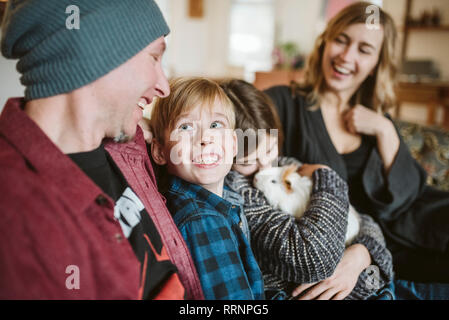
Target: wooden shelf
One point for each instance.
(407, 28)
(427, 28)
(265, 80)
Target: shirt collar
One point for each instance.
(233, 197)
(45, 157)
(191, 190)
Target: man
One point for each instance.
(81, 217)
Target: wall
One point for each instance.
(198, 46)
(299, 21)
(9, 81)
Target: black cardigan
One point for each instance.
(413, 215)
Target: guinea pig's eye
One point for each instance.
(273, 181)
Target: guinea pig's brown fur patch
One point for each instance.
(289, 170)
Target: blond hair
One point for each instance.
(376, 92)
(186, 94)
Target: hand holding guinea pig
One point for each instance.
(286, 189)
(307, 170)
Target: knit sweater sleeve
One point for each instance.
(305, 250)
(285, 161)
(380, 272)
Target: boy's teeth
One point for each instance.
(207, 160)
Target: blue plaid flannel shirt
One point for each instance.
(222, 254)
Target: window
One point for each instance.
(251, 35)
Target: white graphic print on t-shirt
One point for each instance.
(127, 211)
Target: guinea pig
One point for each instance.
(287, 190)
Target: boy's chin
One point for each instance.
(208, 181)
(213, 183)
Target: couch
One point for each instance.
(430, 147)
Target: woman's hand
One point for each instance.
(356, 258)
(307, 170)
(365, 121)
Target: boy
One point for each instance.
(194, 139)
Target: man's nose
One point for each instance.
(162, 85)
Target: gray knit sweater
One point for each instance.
(292, 252)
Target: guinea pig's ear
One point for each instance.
(285, 175)
(157, 152)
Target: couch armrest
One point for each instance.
(430, 147)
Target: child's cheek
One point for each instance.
(180, 149)
(180, 154)
(229, 146)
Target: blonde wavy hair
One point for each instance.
(377, 91)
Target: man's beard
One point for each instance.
(122, 138)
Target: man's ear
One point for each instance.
(157, 152)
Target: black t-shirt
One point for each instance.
(355, 164)
(136, 224)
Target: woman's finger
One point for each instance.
(328, 294)
(315, 291)
(300, 289)
(340, 295)
(348, 120)
(350, 126)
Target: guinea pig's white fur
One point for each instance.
(290, 192)
(285, 189)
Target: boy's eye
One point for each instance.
(186, 127)
(216, 125)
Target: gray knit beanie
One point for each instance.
(55, 59)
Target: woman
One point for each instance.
(337, 117)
